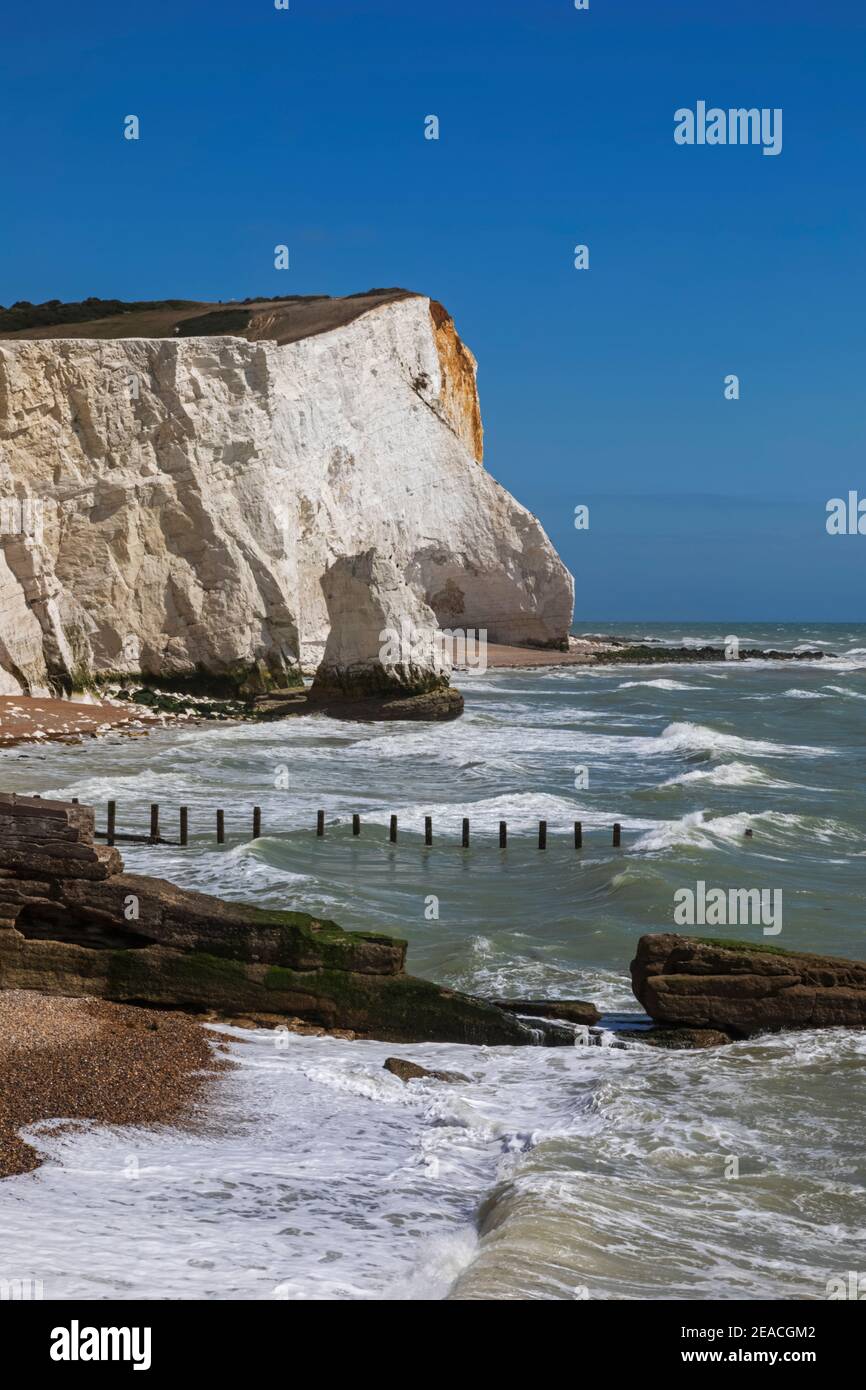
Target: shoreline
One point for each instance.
(37, 719)
(87, 1060)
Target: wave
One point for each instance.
(778, 829)
(700, 738)
(661, 684)
(734, 774)
(582, 1217)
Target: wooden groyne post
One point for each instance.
(111, 834)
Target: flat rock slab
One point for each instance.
(571, 1010)
(742, 988)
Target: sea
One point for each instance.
(606, 1170)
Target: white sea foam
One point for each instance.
(702, 830)
(317, 1175)
(661, 684)
(521, 810)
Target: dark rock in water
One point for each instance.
(443, 703)
(572, 1010)
(679, 1039)
(553, 1032)
(73, 923)
(410, 1071)
(649, 654)
(743, 988)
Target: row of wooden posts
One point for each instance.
(112, 835)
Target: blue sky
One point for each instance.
(603, 387)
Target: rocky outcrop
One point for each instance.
(679, 1039)
(73, 923)
(741, 989)
(191, 492)
(384, 655)
(571, 1010)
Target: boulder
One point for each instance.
(679, 1039)
(410, 1071)
(385, 656)
(742, 988)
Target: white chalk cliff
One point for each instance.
(194, 490)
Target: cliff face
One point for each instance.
(188, 493)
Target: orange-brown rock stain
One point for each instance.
(459, 395)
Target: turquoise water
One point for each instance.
(593, 1170)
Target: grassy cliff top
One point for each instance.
(282, 319)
